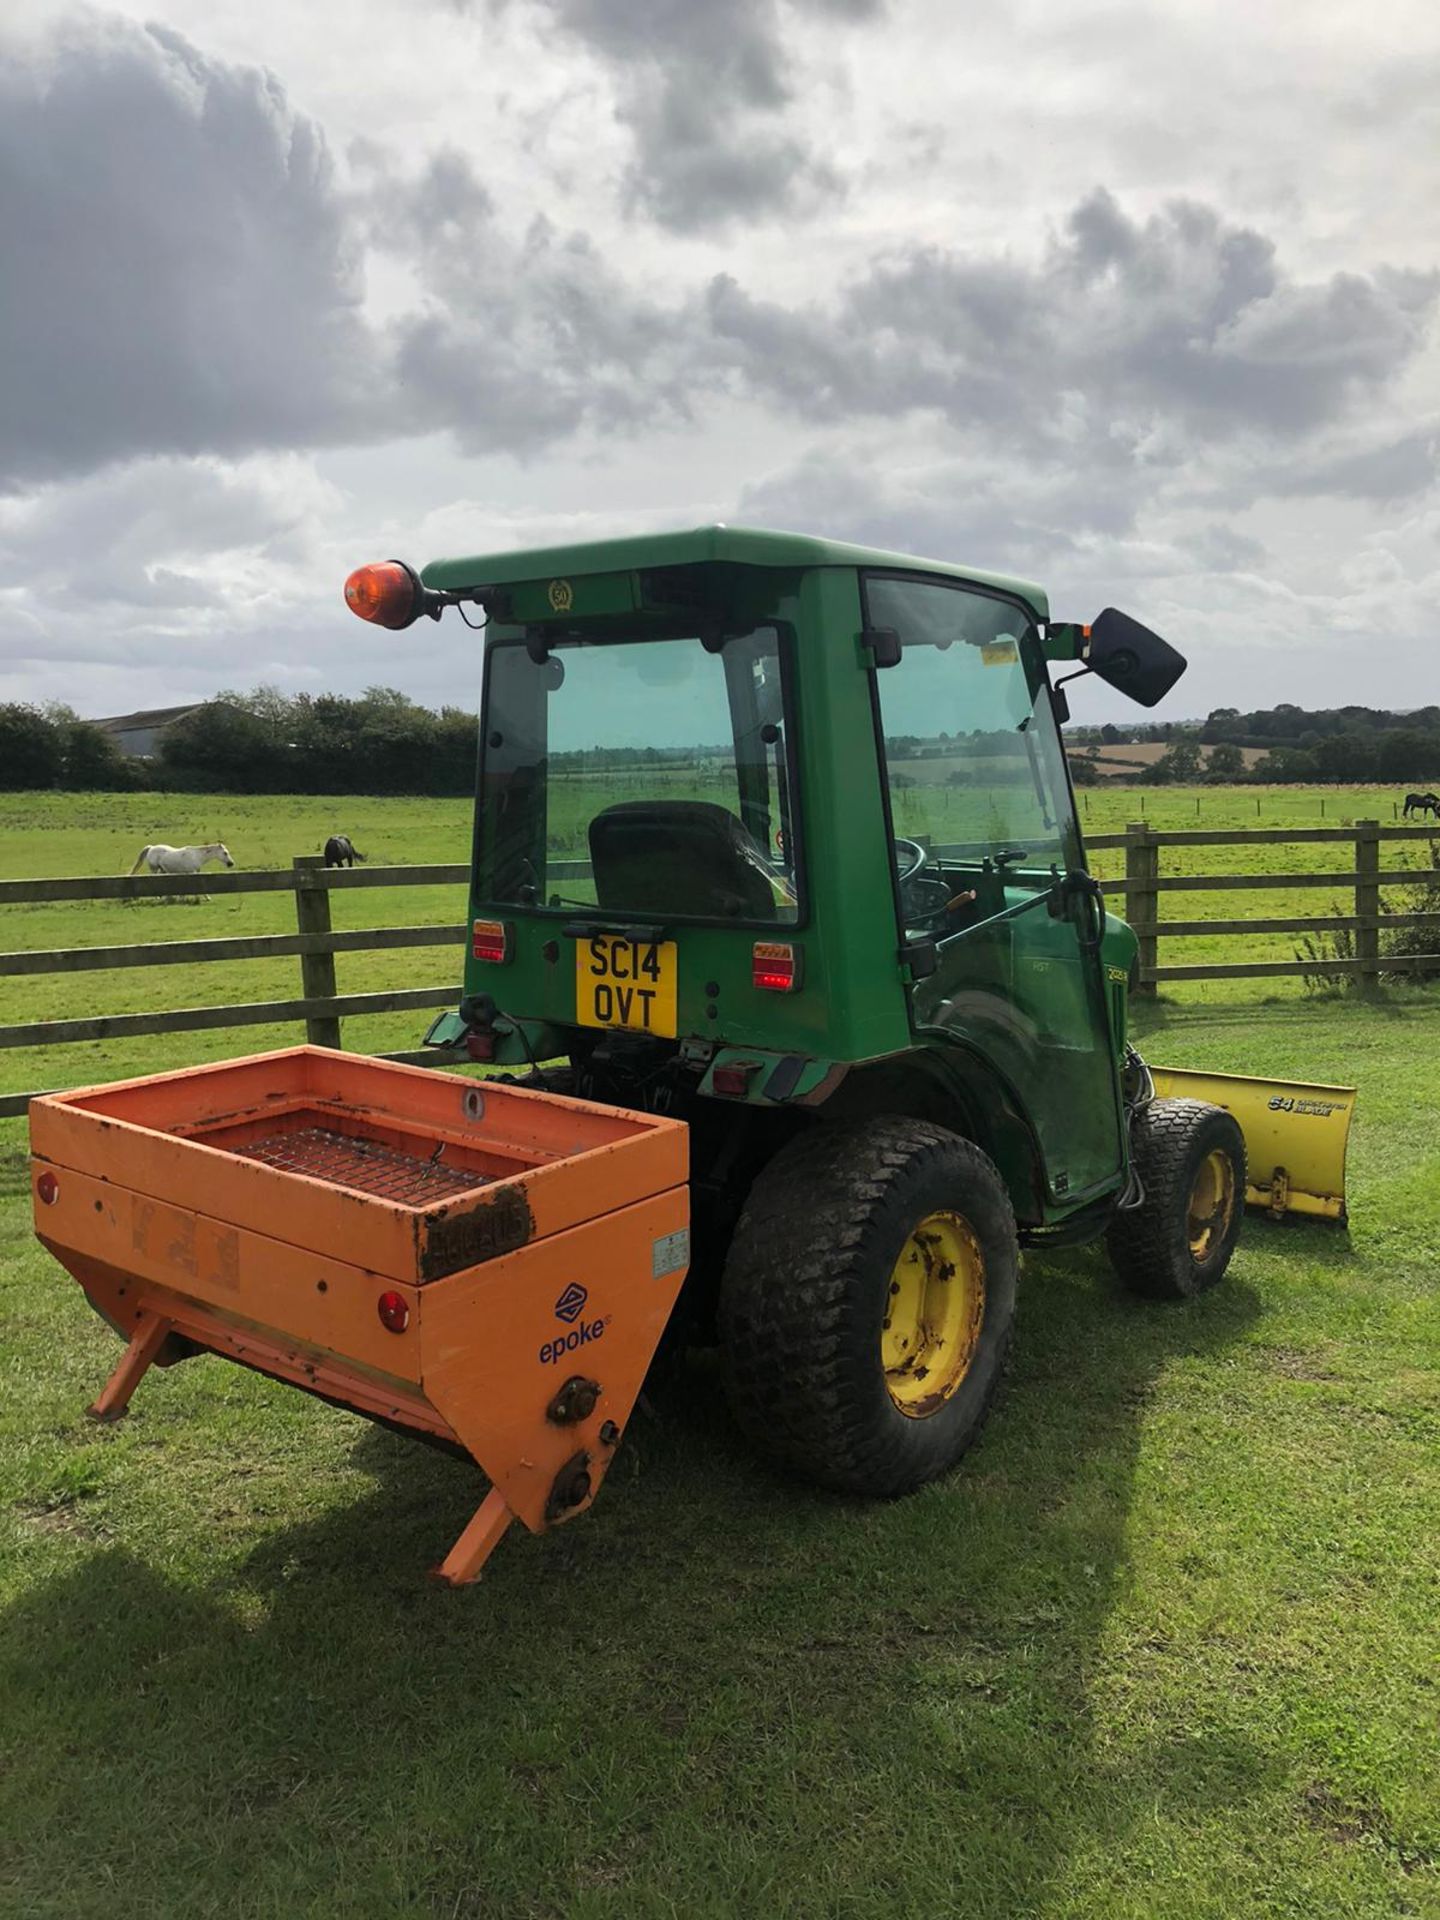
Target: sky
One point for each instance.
(1138, 301)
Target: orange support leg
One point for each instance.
(476, 1544)
(146, 1341)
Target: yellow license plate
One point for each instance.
(629, 984)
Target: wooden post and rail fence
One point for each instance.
(1140, 888)
(321, 1006)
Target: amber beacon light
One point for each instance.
(388, 593)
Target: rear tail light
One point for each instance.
(734, 1078)
(388, 593)
(490, 940)
(775, 966)
(394, 1312)
(47, 1187)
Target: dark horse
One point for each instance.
(1423, 803)
(339, 851)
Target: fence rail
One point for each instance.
(1142, 883)
(320, 1004)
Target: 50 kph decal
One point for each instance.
(625, 983)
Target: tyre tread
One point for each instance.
(791, 1281)
(1141, 1240)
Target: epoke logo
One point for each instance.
(571, 1303)
(569, 1308)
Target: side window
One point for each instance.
(973, 758)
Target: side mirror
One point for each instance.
(1131, 658)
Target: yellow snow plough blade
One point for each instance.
(1295, 1136)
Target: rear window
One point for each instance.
(648, 778)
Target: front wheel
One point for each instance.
(1191, 1161)
(867, 1303)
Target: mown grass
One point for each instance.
(58, 834)
(55, 834)
(1164, 1646)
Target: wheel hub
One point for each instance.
(933, 1315)
(1211, 1204)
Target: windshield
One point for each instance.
(643, 777)
(973, 760)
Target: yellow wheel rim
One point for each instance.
(1211, 1205)
(933, 1314)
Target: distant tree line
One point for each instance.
(384, 742)
(260, 742)
(1343, 744)
(52, 746)
(1340, 745)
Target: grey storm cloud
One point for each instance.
(704, 89)
(148, 531)
(1395, 466)
(1182, 317)
(517, 342)
(967, 506)
(180, 276)
(192, 286)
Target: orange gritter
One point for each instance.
(472, 1262)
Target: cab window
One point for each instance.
(972, 755)
(648, 777)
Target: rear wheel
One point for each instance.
(867, 1303)
(1191, 1161)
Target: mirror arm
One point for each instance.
(1059, 699)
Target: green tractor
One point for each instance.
(776, 836)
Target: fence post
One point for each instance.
(317, 970)
(1142, 864)
(1367, 903)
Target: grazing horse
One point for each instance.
(340, 851)
(181, 859)
(1423, 803)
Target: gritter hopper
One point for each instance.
(481, 1265)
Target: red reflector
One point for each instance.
(490, 940)
(480, 1046)
(48, 1188)
(734, 1078)
(775, 966)
(394, 1311)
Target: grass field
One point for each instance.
(56, 834)
(1164, 1648)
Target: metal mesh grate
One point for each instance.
(364, 1165)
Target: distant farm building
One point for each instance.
(139, 734)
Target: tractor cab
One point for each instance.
(770, 821)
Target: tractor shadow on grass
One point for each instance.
(717, 1693)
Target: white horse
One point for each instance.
(182, 859)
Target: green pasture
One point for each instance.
(63, 834)
(1165, 1647)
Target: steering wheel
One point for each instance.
(912, 851)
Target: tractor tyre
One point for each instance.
(1191, 1161)
(867, 1302)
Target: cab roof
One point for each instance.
(741, 546)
